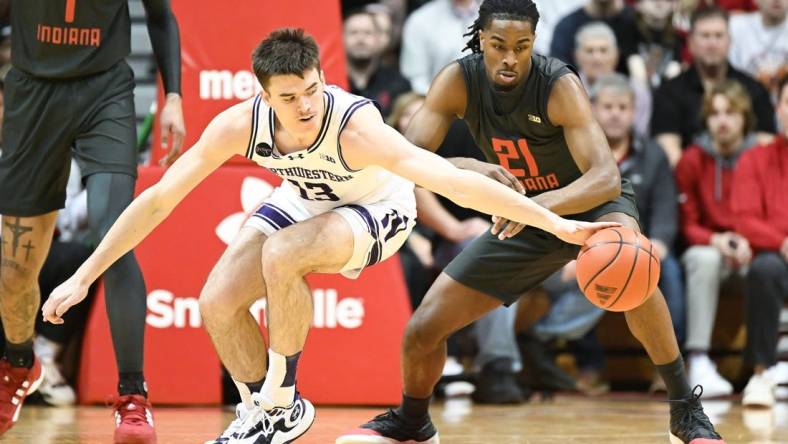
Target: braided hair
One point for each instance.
(503, 10)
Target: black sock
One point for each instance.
(255, 387)
(675, 379)
(414, 410)
(132, 383)
(19, 355)
(292, 365)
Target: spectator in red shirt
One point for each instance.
(704, 176)
(760, 202)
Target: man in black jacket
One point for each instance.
(644, 163)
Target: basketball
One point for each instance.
(617, 269)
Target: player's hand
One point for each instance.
(173, 130)
(505, 228)
(576, 232)
(65, 296)
(495, 172)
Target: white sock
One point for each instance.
(272, 387)
(246, 394)
(45, 349)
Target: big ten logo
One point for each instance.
(329, 311)
(227, 85)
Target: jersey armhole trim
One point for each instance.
(255, 124)
(326, 122)
(345, 118)
(567, 70)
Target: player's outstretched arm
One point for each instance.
(226, 135)
(368, 141)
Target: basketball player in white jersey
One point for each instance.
(339, 209)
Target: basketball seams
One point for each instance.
(613, 259)
(631, 272)
(651, 247)
(637, 245)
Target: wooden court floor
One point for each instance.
(566, 420)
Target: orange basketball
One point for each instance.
(617, 269)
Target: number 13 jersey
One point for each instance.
(318, 175)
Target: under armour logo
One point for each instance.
(263, 149)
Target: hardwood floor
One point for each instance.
(566, 420)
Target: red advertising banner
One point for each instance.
(351, 355)
(216, 48)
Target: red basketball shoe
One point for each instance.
(133, 420)
(15, 384)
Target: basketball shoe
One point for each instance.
(266, 424)
(16, 383)
(391, 428)
(133, 420)
(689, 424)
(232, 431)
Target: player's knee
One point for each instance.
(279, 259)
(15, 278)
(420, 333)
(215, 304)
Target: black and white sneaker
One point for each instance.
(391, 428)
(232, 430)
(279, 425)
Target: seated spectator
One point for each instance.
(676, 119)
(716, 250)
(759, 42)
(550, 13)
(659, 44)
(433, 37)
(614, 13)
(597, 56)
(760, 202)
(389, 34)
(366, 75)
(643, 162)
(686, 8)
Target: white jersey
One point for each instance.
(318, 175)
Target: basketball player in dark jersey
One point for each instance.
(70, 93)
(532, 118)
